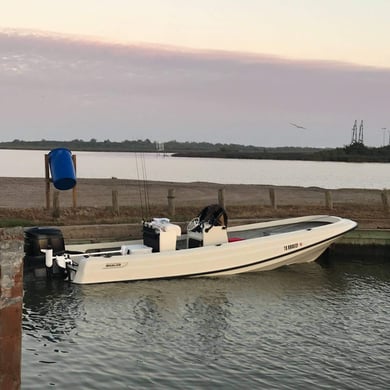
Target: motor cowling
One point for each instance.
(38, 238)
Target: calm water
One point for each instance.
(330, 175)
(314, 326)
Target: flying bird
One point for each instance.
(298, 126)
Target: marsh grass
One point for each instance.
(104, 215)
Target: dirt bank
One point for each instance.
(24, 199)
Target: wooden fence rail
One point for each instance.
(325, 197)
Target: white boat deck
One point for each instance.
(268, 231)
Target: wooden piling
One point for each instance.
(56, 204)
(221, 197)
(47, 181)
(272, 197)
(171, 202)
(328, 200)
(385, 200)
(74, 189)
(11, 300)
(115, 203)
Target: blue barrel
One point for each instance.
(62, 169)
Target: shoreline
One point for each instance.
(357, 152)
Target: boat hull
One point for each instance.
(266, 252)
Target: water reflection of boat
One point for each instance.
(53, 309)
(209, 248)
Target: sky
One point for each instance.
(221, 71)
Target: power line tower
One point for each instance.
(357, 138)
(160, 147)
(360, 139)
(354, 133)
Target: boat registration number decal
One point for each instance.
(295, 245)
(114, 265)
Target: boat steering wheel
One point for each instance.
(193, 224)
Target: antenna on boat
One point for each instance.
(143, 186)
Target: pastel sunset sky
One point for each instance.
(219, 70)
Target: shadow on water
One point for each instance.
(338, 268)
(49, 309)
(187, 332)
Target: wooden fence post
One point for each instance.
(74, 190)
(221, 197)
(171, 202)
(328, 200)
(47, 181)
(272, 197)
(56, 204)
(115, 203)
(385, 200)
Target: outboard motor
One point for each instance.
(37, 239)
(209, 228)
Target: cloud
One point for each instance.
(61, 87)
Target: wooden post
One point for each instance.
(272, 197)
(221, 197)
(385, 200)
(11, 300)
(56, 204)
(47, 181)
(74, 190)
(171, 202)
(115, 203)
(328, 200)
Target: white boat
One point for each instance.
(208, 248)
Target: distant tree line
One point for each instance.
(350, 153)
(356, 152)
(142, 146)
